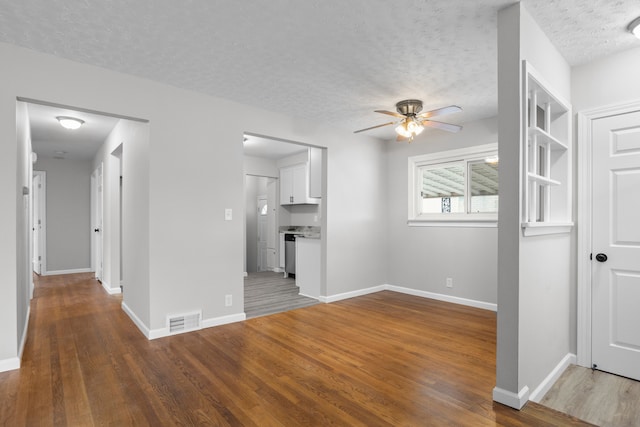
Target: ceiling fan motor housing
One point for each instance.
(409, 107)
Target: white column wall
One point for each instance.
(534, 273)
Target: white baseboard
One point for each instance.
(549, 381)
(72, 271)
(352, 294)
(246, 274)
(443, 297)
(111, 290)
(136, 320)
(23, 340)
(206, 323)
(223, 320)
(511, 399)
(9, 364)
(409, 291)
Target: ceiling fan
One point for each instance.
(412, 122)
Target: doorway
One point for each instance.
(269, 216)
(609, 240)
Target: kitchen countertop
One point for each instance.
(305, 231)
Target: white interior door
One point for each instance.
(97, 214)
(37, 223)
(616, 244)
(263, 210)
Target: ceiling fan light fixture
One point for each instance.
(634, 27)
(409, 128)
(69, 122)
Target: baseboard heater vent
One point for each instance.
(184, 323)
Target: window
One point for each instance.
(457, 187)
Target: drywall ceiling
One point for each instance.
(330, 61)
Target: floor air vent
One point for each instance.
(184, 322)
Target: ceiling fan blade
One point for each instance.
(390, 113)
(442, 126)
(440, 111)
(374, 127)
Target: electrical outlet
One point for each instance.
(228, 214)
(228, 300)
(449, 282)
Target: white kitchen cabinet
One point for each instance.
(308, 266)
(294, 186)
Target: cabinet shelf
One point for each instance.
(542, 179)
(546, 155)
(546, 137)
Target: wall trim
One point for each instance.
(136, 320)
(584, 245)
(23, 340)
(351, 294)
(70, 271)
(10, 364)
(409, 291)
(511, 399)
(111, 291)
(546, 384)
(206, 323)
(223, 320)
(444, 297)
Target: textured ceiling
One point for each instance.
(331, 61)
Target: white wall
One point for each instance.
(260, 167)
(190, 169)
(534, 273)
(68, 213)
(612, 80)
(422, 258)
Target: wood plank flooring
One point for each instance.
(598, 397)
(384, 359)
(267, 292)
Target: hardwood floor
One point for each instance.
(384, 359)
(267, 292)
(598, 397)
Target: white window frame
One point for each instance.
(467, 219)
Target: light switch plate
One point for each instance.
(228, 214)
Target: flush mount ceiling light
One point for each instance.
(70, 122)
(634, 27)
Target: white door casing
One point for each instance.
(38, 222)
(96, 221)
(616, 244)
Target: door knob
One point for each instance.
(601, 257)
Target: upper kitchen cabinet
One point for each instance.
(295, 184)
